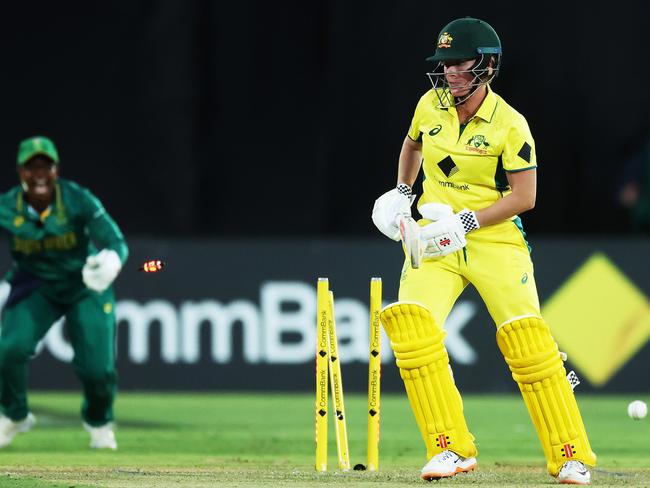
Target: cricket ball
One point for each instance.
(637, 410)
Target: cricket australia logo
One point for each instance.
(477, 144)
(445, 40)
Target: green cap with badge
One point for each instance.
(466, 38)
(34, 146)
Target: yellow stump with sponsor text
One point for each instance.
(328, 373)
(322, 348)
(336, 384)
(374, 375)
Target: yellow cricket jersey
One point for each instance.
(467, 169)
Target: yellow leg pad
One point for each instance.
(418, 344)
(536, 366)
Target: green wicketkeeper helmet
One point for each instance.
(34, 146)
(466, 38)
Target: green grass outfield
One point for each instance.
(201, 440)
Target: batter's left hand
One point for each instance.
(447, 235)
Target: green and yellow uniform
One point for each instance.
(49, 251)
(465, 167)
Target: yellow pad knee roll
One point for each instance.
(536, 366)
(418, 345)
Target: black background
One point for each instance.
(254, 118)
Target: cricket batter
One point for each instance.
(53, 225)
(479, 163)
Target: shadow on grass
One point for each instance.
(48, 417)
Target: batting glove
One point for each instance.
(101, 270)
(435, 211)
(447, 235)
(390, 208)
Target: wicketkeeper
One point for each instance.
(479, 163)
(53, 226)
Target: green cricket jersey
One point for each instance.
(53, 247)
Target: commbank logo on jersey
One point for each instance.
(477, 144)
(525, 151)
(448, 167)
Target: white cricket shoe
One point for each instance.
(574, 473)
(9, 428)
(447, 464)
(101, 437)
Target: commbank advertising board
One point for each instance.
(241, 315)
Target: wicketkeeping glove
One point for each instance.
(447, 235)
(101, 269)
(5, 290)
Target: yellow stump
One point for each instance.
(336, 383)
(374, 375)
(322, 348)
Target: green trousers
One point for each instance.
(90, 323)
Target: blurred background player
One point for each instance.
(478, 158)
(53, 225)
(634, 192)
